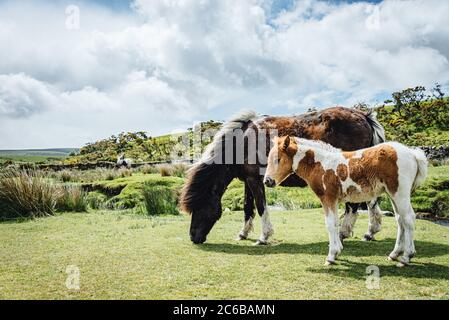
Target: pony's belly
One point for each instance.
(357, 196)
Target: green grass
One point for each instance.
(126, 256)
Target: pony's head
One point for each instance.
(201, 197)
(280, 161)
(203, 219)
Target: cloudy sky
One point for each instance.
(162, 65)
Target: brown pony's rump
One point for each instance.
(344, 128)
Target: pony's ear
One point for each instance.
(286, 143)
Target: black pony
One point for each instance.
(207, 180)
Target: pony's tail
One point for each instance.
(378, 129)
(423, 163)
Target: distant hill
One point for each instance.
(35, 155)
(59, 152)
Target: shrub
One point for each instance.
(71, 198)
(26, 194)
(159, 200)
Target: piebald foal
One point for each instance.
(361, 176)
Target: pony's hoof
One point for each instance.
(404, 261)
(392, 258)
(241, 237)
(401, 265)
(261, 243)
(343, 237)
(368, 237)
(329, 263)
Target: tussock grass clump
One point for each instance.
(66, 176)
(180, 169)
(148, 169)
(165, 170)
(124, 172)
(71, 198)
(27, 194)
(177, 170)
(159, 200)
(111, 175)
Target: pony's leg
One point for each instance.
(335, 245)
(249, 213)
(407, 215)
(258, 190)
(349, 220)
(399, 246)
(375, 220)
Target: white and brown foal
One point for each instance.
(361, 176)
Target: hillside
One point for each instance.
(138, 146)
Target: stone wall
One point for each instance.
(436, 153)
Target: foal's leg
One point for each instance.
(399, 246)
(335, 245)
(349, 220)
(407, 217)
(249, 213)
(258, 190)
(375, 220)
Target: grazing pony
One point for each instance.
(207, 180)
(362, 176)
(124, 162)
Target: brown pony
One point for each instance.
(207, 180)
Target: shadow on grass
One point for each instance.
(15, 220)
(346, 268)
(351, 248)
(356, 270)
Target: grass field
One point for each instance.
(125, 256)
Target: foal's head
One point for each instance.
(280, 161)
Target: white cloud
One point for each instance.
(171, 62)
(22, 96)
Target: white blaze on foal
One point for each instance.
(362, 176)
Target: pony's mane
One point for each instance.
(236, 122)
(317, 144)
